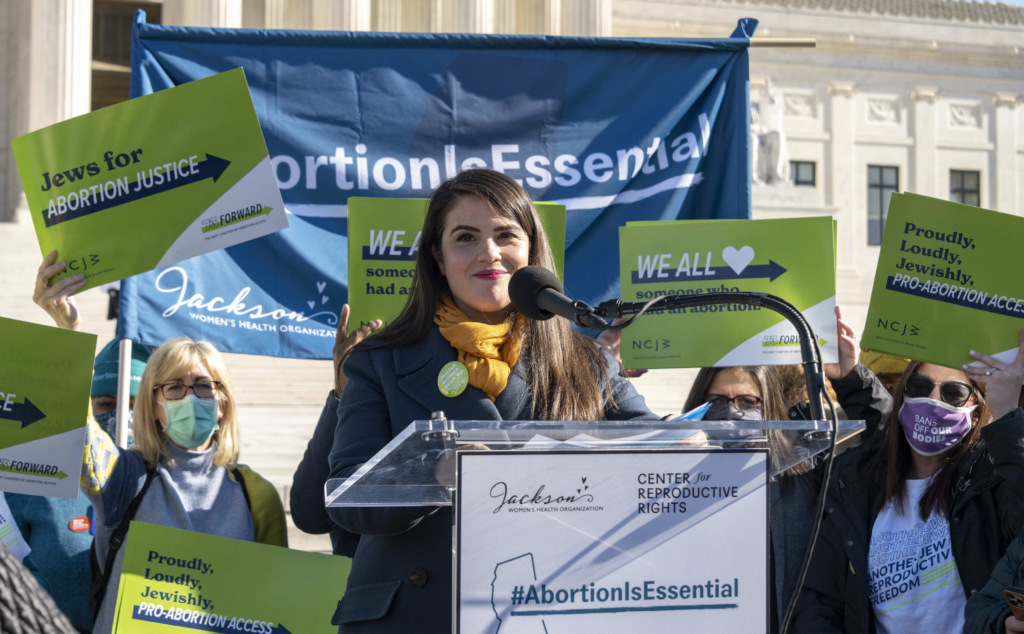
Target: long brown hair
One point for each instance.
(565, 370)
(891, 462)
(773, 407)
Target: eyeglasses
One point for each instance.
(956, 393)
(177, 390)
(742, 401)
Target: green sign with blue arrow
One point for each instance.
(792, 258)
(151, 181)
(45, 376)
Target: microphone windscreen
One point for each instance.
(526, 284)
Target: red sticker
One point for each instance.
(80, 524)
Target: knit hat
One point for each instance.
(882, 363)
(104, 376)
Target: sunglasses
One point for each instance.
(956, 393)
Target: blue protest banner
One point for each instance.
(615, 129)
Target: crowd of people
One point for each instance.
(960, 484)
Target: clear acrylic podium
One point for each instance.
(417, 467)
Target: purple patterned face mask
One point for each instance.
(931, 426)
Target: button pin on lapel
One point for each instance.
(453, 379)
(418, 577)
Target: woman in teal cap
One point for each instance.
(60, 531)
(104, 385)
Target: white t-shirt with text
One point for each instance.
(915, 584)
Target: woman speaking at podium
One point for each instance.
(480, 228)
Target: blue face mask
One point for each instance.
(191, 421)
(108, 422)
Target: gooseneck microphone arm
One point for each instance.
(809, 351)
(813, 377)
(537, 293)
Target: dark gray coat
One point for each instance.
(792, 499)
(401, 579)
(987, 514)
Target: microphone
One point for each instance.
(536, 293)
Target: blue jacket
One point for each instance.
(60, 555)
(401, 579)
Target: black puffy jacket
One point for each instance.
(987, 514)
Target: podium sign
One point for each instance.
(611, 541)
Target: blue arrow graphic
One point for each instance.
(773, 270)
(213, 167)
(25, 413)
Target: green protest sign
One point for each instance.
(151, 181)
(175, 580)
(45, 377)
(790, 258)
(383, 241)
(949, 280)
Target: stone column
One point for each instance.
(215, 13)
(60, 55)
(436, 19)
(473, 16)
(10, 27)
(841, 174)
(48, 74)
(587, 18)
(389, 15)
(1007, 138)
(926, 181)
(552, 20)
(264, 14)
(340, 15)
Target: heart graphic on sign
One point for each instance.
(312, 305)
(738, 260)
(323, 299)
(320, 286)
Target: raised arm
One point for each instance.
(56, 298)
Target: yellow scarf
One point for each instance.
(488, 351)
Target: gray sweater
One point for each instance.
(193, 494)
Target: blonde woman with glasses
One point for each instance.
(183, 471)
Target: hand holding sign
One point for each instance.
(1002, 381)
(612, 340)
(344, 342)
(56, 299)
(848, 350)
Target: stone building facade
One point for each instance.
(897, 95)
(908, 95)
